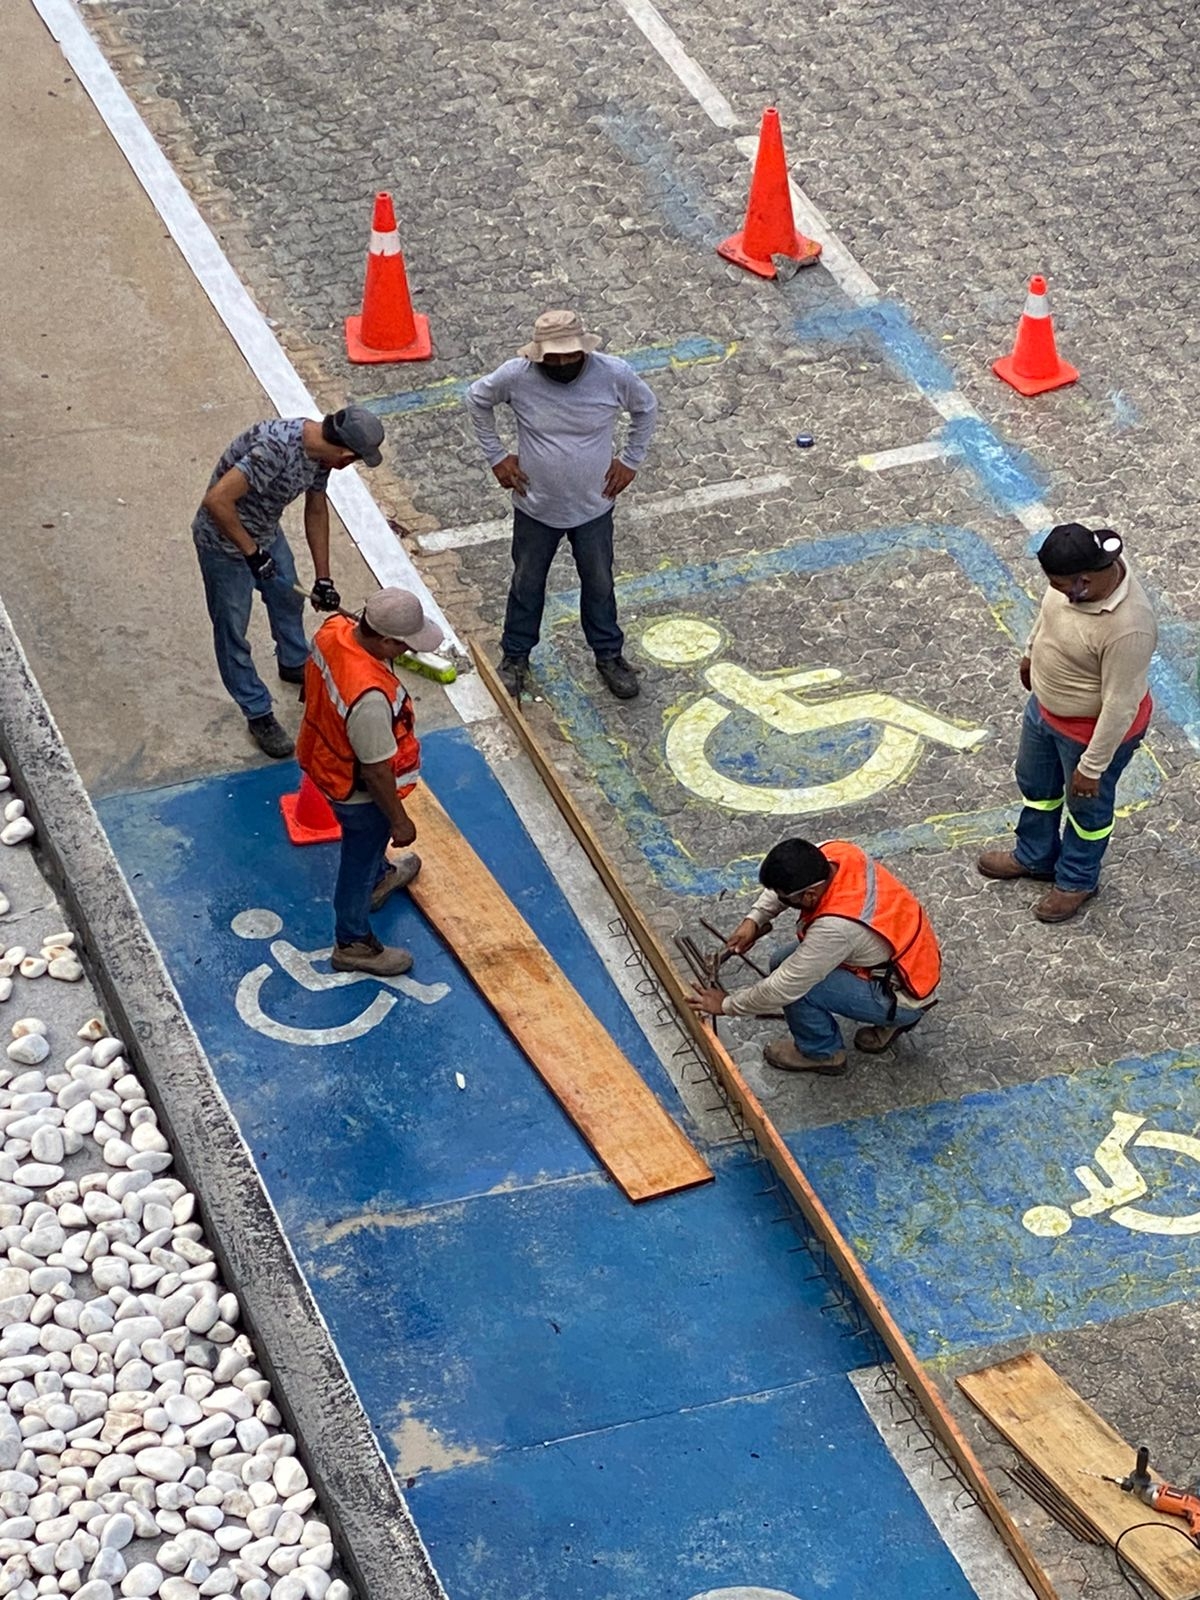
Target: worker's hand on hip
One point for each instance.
(1086, 788)
(403, 832)
(324, 596)
(262, 565)
(509, 475)
(709, 1002)
(1023, 674)
(743, 936)
(618, 477)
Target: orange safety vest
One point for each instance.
(863, 891)
(337, 675)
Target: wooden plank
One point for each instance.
(602, 1093)
(773, 1147)
(1044, 1419)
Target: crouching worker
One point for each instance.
(358, 744)
(866, 951)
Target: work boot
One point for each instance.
(399, 875)
(1004, 864)
(619, 676)
(878, 1037)
(270, 738)
(1060, 905)
(368, 955)
(291, 674)
(513, 672)
(784, 1057)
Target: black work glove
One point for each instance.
(324, 596)
(262, 565)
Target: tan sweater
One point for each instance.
(1092, 660)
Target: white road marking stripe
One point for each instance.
(264, 355)
(693, 77)
(904, 455)
(698, 499)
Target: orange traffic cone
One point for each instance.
(306, 815)
(388, 329)
(770, 228)
(1034, 365)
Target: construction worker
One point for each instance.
(358, 744)
(241, 546)
(866, 951)
(1086, 665)
(564, 478)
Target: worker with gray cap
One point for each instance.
(241, 546)
(358, 744)
(565, 476)
(1086, 665)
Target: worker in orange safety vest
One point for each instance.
(866, 951)
(358, 744)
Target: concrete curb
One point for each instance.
(376, 1537)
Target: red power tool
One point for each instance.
(1161, 1496)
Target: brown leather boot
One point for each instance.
(368, 955)
(1003, 864)
(1060, 905)
(398, 876)
(784, 1057)
(877, 1037)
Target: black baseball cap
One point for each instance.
(1070, 548)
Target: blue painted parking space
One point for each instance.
(1049, 1205)
(577, 1393)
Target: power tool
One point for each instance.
(1161, 1496)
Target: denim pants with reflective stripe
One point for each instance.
(1060, 834)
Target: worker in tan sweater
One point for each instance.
(1087, 665)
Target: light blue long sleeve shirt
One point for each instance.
(565, 432)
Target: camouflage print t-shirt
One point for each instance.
(271, 455)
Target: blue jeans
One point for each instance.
(229, 587)
(812, 1020)
(1070, 854)
(363, 861)
(533, 548)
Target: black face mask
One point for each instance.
(562, 371)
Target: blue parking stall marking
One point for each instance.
(239, 926)
(1071, 1200)
(700, 584)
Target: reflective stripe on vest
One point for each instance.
(339, 673)
(865, 892)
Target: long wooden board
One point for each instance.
(602, 1093)
(772, 1145)
(1044, 1419)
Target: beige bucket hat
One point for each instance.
(560, 332)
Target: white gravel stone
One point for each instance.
(14, 809)
(289, 1477)
(16, 832)
(162, 1464)
(38, 1174)
(144, 1579)
(34, 967)
(66, 968)
(30, 1049)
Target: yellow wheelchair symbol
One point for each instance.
(776, 699)
(1125, 1184)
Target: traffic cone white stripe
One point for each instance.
(384, 244)
(1037, 305)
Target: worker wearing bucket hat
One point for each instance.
(565, 476)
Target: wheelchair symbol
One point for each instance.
(300, 966)
(1125, 1184)
(775, 699)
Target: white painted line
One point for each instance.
(966, 1531)
(1035, 517)
(470, 698)
(654, 506)
(692, 76)
(351, 498)
(952, 405)
(905, 455)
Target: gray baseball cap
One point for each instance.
(359, 430)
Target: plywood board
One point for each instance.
(599, 1089)
(770, 1141)
(1044, 1419)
